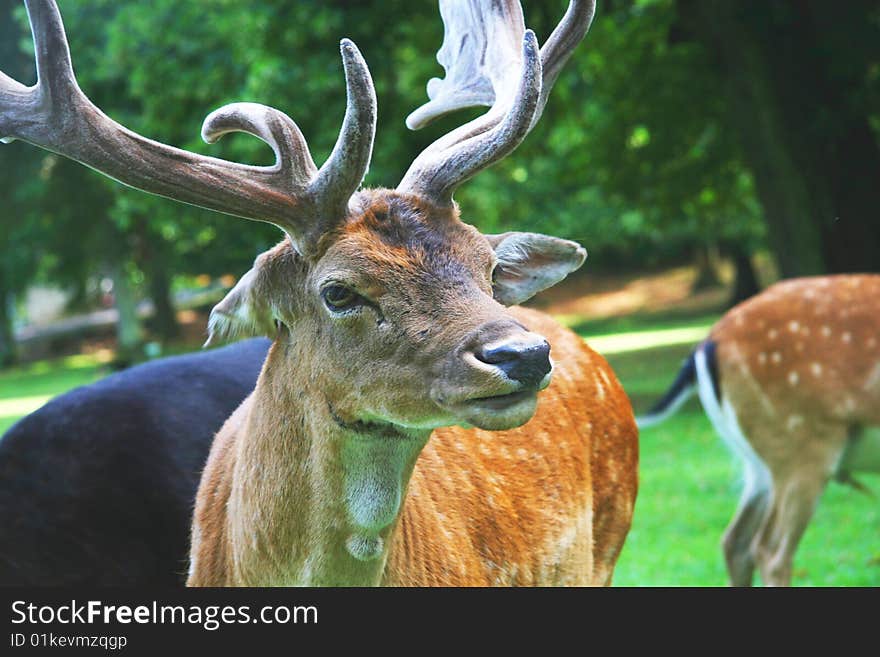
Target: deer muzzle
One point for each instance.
(492, 379)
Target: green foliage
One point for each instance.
(635, 155)
(624, 167)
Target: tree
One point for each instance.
(20, 233)
(801, 89)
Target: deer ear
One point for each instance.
(243, 312)
(530, 262)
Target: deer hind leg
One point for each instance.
(797, 485)
(757, 482)
(741, 531)
(753, 503)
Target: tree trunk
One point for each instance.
(7, 332)
(798, 109)
(129, 336)
(164, 320)
(149, 254)
(745, 281)
(707, 276)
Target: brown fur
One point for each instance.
(548, 503)
(303, 477)
(800, 366)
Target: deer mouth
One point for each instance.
(497, 412)
(501, 402)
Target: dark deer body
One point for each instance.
(97, 487)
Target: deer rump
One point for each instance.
(97, 487)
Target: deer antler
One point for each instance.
(485, 66)
(293, 194)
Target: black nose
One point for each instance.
(527, 363)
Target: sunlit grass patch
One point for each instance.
(15, 407)
(24, 389)
(618, 343)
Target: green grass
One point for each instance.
(689, 484)
(24, 389)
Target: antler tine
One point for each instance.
(349, 161)
(292, 194)
(437, 173)
(480, 53)
(558, 48)
(54, 73)
(480, 64)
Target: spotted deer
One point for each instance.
(404, 429)
(790, 380)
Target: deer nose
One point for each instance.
(526, 361)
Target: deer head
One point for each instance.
(394, 304)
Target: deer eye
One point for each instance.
(339, 298)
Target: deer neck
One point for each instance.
(315, 497)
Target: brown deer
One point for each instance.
(392, 329)
(790, 380)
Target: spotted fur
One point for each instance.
(799, 402)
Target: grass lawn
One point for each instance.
(689, 483)
(25, 389)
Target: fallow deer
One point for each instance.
(790, 380)
(391, 325)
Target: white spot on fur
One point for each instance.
(521, 453)
(772, 333)
(793, 378)
(816, 369)
(600, 389)
(793, 422)
(776, 357)
(846, 337)
(762, 358)
(794, 326)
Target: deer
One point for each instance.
(790, 380)
(97, 486)
(408, 426)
